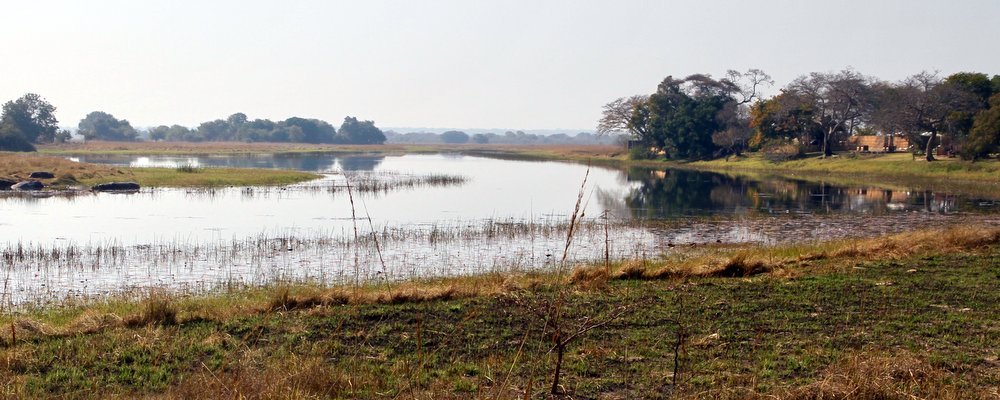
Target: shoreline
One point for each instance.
(887, 167)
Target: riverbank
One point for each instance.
(906, 315)
(881, 167)
(69, 174)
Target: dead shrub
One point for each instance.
(589, 277)
(739, 266)
(632, 270)
(899, 376)
(157, 309)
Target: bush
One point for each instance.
(188, 168)
(640, 152)
(782, 151)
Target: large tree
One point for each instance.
(455, 137)
(312, 130)
(930, 105)
(353, 131)
(11, 139)
(985, 135)
(623, 115)
(834, 101)
(888, 116)
(103, 126)
(31, 117)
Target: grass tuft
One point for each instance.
(157, 309)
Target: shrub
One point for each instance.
(782, 151)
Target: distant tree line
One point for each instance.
(31, 120)
(699, 117)
(238, 127)
(508, 137)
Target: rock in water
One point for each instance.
(42, 175)
(116, 187)
(28, 186)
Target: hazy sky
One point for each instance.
(530, 64)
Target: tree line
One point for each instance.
(700, 117)
(31, 120)
(508, 137)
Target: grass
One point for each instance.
(892, 166)
(906, 315)
(69, 173)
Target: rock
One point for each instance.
(116, 187)
(5, 184)
(42, 175)
(28, 186)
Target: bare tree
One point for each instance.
(619, 116)
(887, 114)
(927, 102)
(748, 84)
(834, 100)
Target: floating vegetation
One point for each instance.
(39, 274)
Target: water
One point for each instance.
(502, 215)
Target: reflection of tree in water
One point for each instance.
(684, 192)
(360, 163)
(305, 162)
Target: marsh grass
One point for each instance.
(833, 331)
(69, 173)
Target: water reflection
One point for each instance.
(673, 193)
(323, 162)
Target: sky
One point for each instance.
(506, 64)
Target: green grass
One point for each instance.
(930, 333)
(896, 165)
(216, 177)
(69, 174)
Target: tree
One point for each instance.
(217, 130)
(782, 119)
(834, 101)
(682, 115)
(985, 135)
(103, 126)
(480, 138)
(11, 138)
(929, 105)
(888, 114)
(31, 117)
(622, 115)
(353, 131)
(454, 137)
(310, 130)
(748, 84)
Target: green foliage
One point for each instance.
(454, 137)
(480, 138)
(188, 169)
(103, 126)
(682, 116)
(29, 117)
(353, 131)
(639, 152)
(11, 138)
(985, 135)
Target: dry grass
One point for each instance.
(159, 308)
(68, 173)
(866, 376)
(791, 261)
(19, 165)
